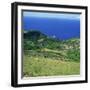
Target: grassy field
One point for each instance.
(34, 66)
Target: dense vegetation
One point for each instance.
(46, 56)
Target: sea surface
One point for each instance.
(53, 27)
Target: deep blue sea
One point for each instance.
(53, 27)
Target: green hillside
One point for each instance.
(41, 51)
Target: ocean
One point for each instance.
(53, 27)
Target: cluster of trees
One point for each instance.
(73, 55)
(35, 40)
